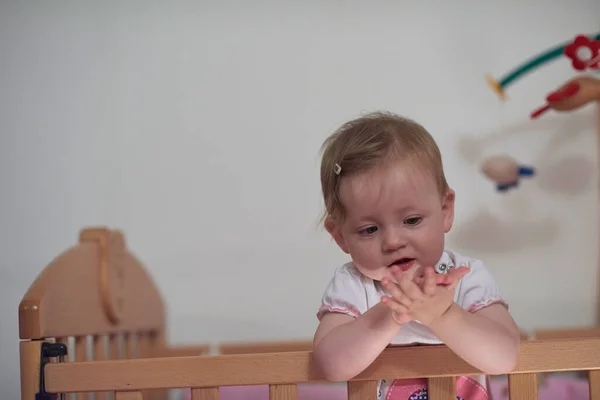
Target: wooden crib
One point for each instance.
(93, 322)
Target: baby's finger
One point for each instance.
(410, 289)
(461, 271)
(396, 293)
(455, 275)
(398, 273)
(454, 284)
(418, 280)
(440, 279)
(394, 305)
(458, 273)
(430, 282)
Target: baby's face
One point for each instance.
(394, 216)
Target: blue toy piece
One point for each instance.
(507, 186)
(526, 171)
(522, 171)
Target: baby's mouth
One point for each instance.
(404, 263)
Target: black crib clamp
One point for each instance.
(48, 351)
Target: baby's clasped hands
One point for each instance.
(422, 299)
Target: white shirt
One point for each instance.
(351, 293)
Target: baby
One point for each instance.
(388, 205)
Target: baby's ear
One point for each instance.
(335, 230)
(329, 225)
(448, 210)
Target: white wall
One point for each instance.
(195, 127)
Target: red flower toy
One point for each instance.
(584, 53)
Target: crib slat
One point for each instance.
(362, 390)
(100, 355)
(594, 382)
(143, 351)
(129, 395)
(146, 348)
(130, 346)
(113, 354)
(522, 386)
(113, 347)
(283, 392)
(66, 340)
(205, 394)
(81, 355)
(29, 353)
(143, 345)
(441, 388)
(156, 346)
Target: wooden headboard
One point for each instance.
(113, 290)
(96, 298)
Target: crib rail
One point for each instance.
(266, 347)
(282, 371)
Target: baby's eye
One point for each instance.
(369, 230)
(412, 220)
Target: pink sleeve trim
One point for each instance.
(327, 309)
(479, 306)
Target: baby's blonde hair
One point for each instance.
(368, 141)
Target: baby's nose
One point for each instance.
(393, 241)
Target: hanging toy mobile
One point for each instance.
(584, 53)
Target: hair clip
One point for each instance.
(337, 169)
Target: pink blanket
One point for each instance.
(554, 388)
